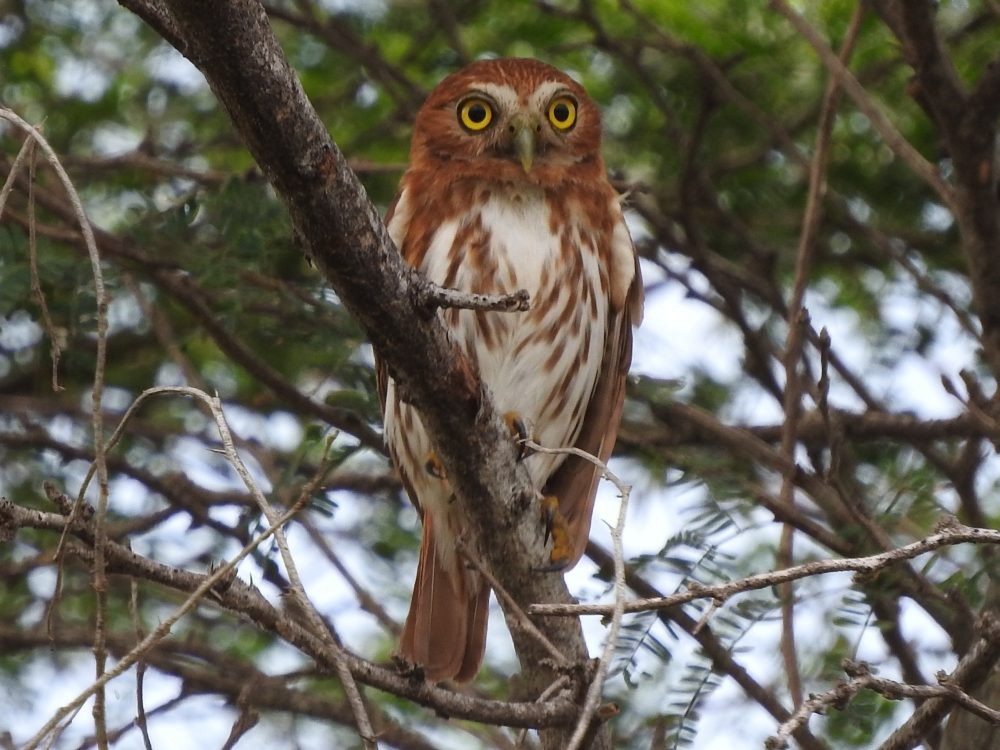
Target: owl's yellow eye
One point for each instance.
(475, 114)
(562, 113)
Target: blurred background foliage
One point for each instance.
(710, 115)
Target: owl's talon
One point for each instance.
(556, 529)
(518, 431)
(434, 467)
(408, 669)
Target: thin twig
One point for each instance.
(316, 623)
(594, 692)
(365, 599)
(949, 533)
(246, 721)
(15, 167)
(117, 734)
(140, 665)
(28, 152)
(974, 667)
(798, 323)
(890, 135)
(55, 348)
(96, 422)
(319, 627)
(229, 450)
(559, 683)
(938, 698)
(837, 697)
(946, 689)
(160, 631)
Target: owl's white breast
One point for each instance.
(520, 242)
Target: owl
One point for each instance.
(506, 189)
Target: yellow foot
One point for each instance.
(518, 431)
(556, 529)
(434, 467)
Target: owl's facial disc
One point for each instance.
(533, 129)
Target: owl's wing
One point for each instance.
(395, 221)
(381, 368)
(574, 483)
(445, 629)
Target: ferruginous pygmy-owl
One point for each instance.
(506, 189)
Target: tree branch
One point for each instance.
(246, 600)
(720, 654)
(232, 43)
(431, 296)
(861, 678)
(949, 533)
(971, 671)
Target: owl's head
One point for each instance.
(511, 120)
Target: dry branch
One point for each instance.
(949, 533)
(246, 601)
(159, 632)
(941, 698)
(431, 296)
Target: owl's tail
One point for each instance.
(445, 630)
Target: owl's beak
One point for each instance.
(524, 140)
